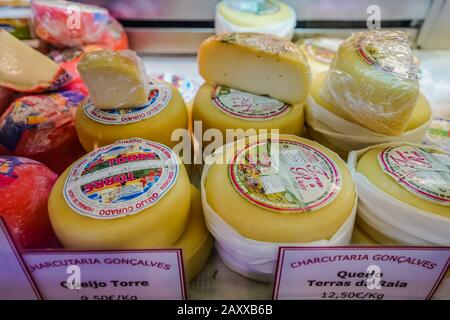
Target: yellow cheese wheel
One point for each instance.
(413, 174)
(420, 115)
(314, 135)
(196, 241)
(373, 79)
(164, 113)
(360, 237)
(319, 52)
(374, 234)
(133, 194)
(258, 63)
(272, 12)
(307, 199)
(225, 108)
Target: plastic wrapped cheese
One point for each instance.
(319, 52)
(263, 193)
(42, 127)
(24, 69)
(267, 16)
(25, 186)
(156, 120)
(133, 194)
(257, 63)
(115, 79)
(373, 80)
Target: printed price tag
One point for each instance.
(15, 281)
(365, 273)
(108, 275)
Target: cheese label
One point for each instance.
(438, 133)
(247, 106)
(423, 171)
(389, 52)
(323, 50)
(158, 99)
(121, 179)
(298, 178)
(255, 7)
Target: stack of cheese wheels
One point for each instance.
(263, 16)
(369, 96)
(404, 193)
(264, 192)
(133, 194)
(123, 103)
(254, 82)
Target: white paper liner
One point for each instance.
(391, 215)
(350, 136)
(284, 29)
(257, 259)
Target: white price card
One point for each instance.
(108, 275)
(15, 281)
(365, 273)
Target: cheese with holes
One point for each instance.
(373, 80)
(26, 70)
(225, 108)
(257, 63)
(115, 79)
(24, 187)
(413, 174)
(196, 241)
(133, 194)
(164, 112)
(286, 189)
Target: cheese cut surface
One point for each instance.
(258, 63)
(270, 12)
(164, 112)
(420, 115)
(412, 157)
(266, 205)
(196, 241)
(373, 80)
(115, 79)
(26, 70)
(224, 108)
(98, 203)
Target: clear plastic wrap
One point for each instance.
(65, 23)
(373, 79)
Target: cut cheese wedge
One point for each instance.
(258, 63)
(115, 79)
(223, 108)
(24, 69)
(373, 80)
(196, 241)
(164, 112)
(133, 194)
(307, 198)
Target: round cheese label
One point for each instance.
(285, 175)
(158, 99)
(247, 106)
(322, 49)
(121, 179)
(421, 170)
(255, 7)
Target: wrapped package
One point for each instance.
(24, 69)
(114, 36)
(68, 24)
(115, 80)
(25, 212)
(373, 79)
(42, 127)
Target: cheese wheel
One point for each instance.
(26, 70)
(360, 237)
(133, 194)
(257, 63)
(164, 113)
(319, 52)
(223, 108)
(377, 236)
(420, 115)
(25, 186)
(42, 127)
(416, 175)
(196, 242)
(307, 199)
(373, 80)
